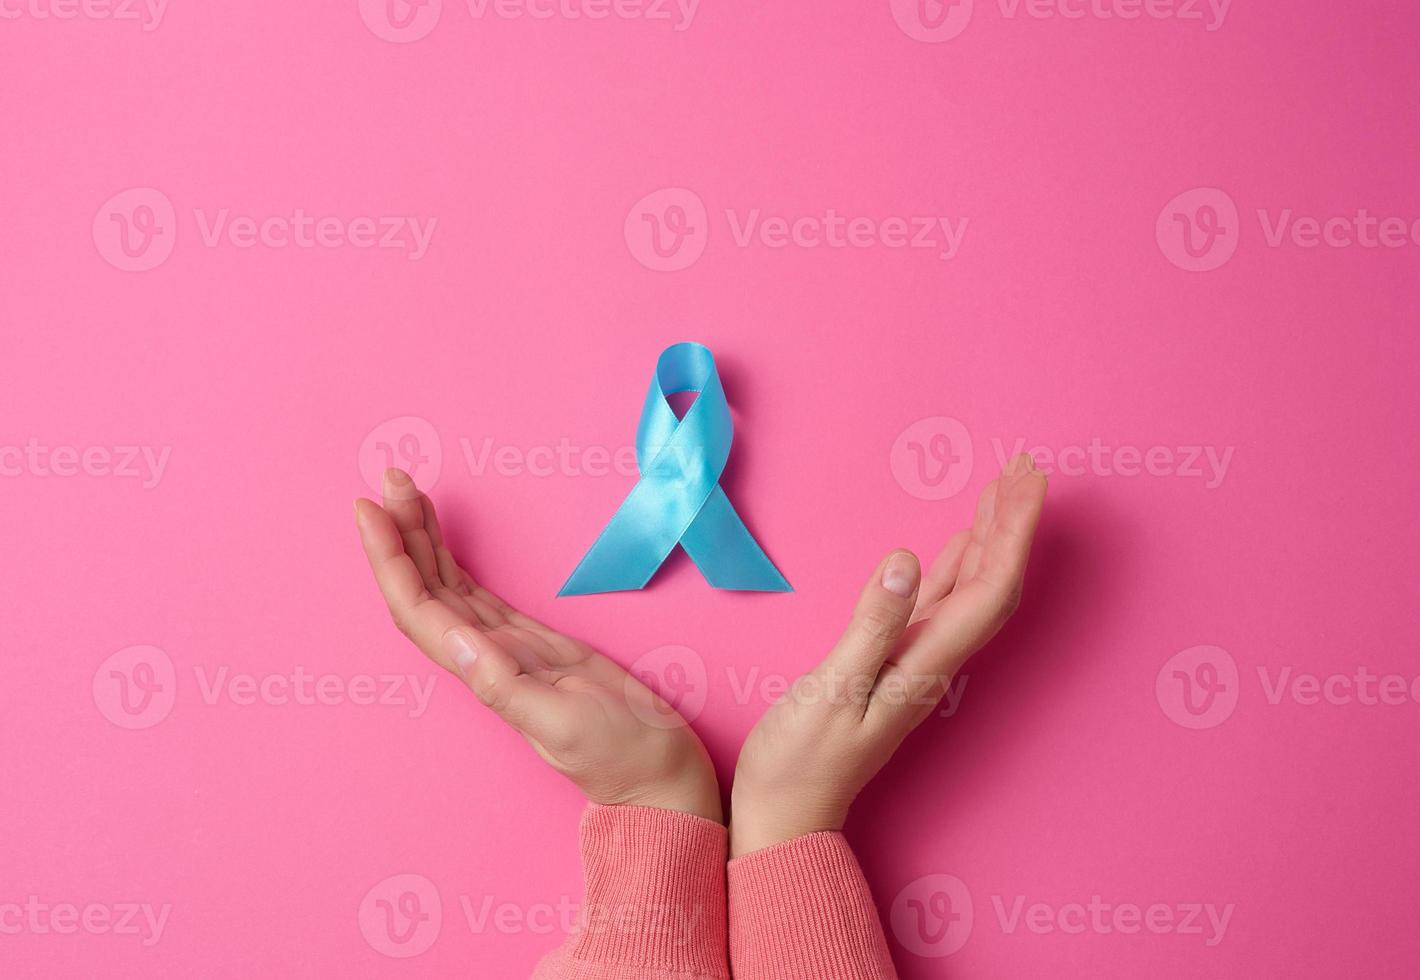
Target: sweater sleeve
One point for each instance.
(655, 900)
(801, 910)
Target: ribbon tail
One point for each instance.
(726, 553)
(616, 562)
(638, 538)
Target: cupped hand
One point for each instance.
(812, 752)
(617, 740)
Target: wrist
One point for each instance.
(755, 825)
(695, 795)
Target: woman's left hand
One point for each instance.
(617, 740)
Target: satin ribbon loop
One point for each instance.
(678, 499)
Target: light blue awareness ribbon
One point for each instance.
(678, 499)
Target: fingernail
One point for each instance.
(460, 650)
(396, 476)
(898, 576)
(357, 510)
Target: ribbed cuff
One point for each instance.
(655, 894)
(801, 910)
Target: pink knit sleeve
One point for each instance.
(655, 903)
(801, 910)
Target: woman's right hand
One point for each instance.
(812, 752)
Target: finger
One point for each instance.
(417, 613)
(422, 538)
(488, 608)
(939, 580)
(404, 503)
(1019, 501)
(879, 619)
(450, 574)
(907, 689)
(496, 678)
(976, 538)
(976, 610)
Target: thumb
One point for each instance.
(882, 614)
(497, 679)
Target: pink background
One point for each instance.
(267, 373)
